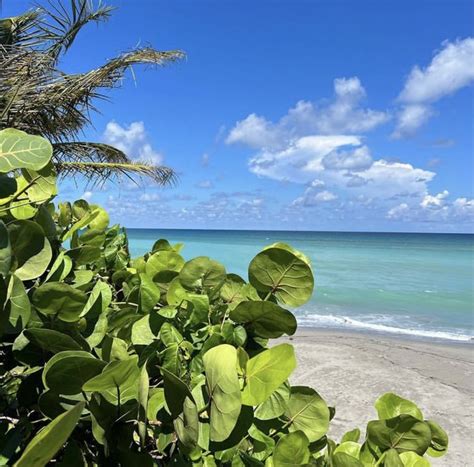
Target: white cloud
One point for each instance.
(434, 202)
(398, 211)
(410, 118)
(357, 159)
(255, 132)
(451, 69)
(147, 197)
(87, 195)
(132, 140)
(205, 159)
(343, 115)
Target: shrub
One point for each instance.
(108, 360)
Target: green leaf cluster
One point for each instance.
(109, 360)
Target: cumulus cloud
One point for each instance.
(343, 114)
(132, 140)
(451, 69)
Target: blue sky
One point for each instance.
(291, 115)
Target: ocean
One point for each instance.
(418, 285)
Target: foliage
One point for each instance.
(108, 360)
(39, 98)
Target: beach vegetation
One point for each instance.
(109, 360)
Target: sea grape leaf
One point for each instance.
(98, 300)
(143, 391)
(392, 459)
(265, 319)
(279, 272)
(155, 403)
(349, 447)
(202, 273)
(118, 382)
(43, 183)
(51, 340)
(31, 249)
(99, 331)
(220, 365)
(101, 220)
(19, 150)
(67, 373)
(19, 304)
(307, 411)
(391, 405)
(291, 450)
(163, 261)
(61, 267)
(176, 392)
(403, 433)
(44, 446)
(353, 435)
(5, 250)
(341, 459)
(149, 294)
(186, 424)
(439, 440)
(266, 372)
(59, 299)
(412, 459)
(141, 332)
(275, 405)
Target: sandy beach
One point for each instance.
(350, 370)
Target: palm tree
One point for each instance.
(37, 97)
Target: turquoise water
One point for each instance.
(413, 284)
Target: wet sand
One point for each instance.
(350, 370)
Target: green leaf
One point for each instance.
(163, 261)
(349, 447)
(143, 390)
(390, 405)
(80, 224)
(411, 459)
(202, 273)
(18, 150)
(291, 450)
(307, 411)
(51, 340)
(266, 372)
(67, 371)
(353, 435)
(279, 272)
(118, 382)
(155, 403)
(59, 299)
(141, 332)
(31, 249)
(439, 440)
(220, 365)
(149, 294)
(176, 392)
(43, 183)
(98, 300)
(44, 446)
(187, 424)
(99, 331)
(265, 319)
(403, 433)
(5, 250)
(19, 304)
(61, 267)
(101, 220)
(275, 405)
(341, 459)
(392, 459)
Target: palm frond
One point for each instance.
(61, 25)
(100, 172)
(21, 30)
(87, 152)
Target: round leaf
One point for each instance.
(390, 405)
(279, 272)
(265, 319)
(202, 273)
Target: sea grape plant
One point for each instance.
(112, 361)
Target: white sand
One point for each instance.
(351, 370)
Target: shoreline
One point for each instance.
(397, 336)
(350, 369)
